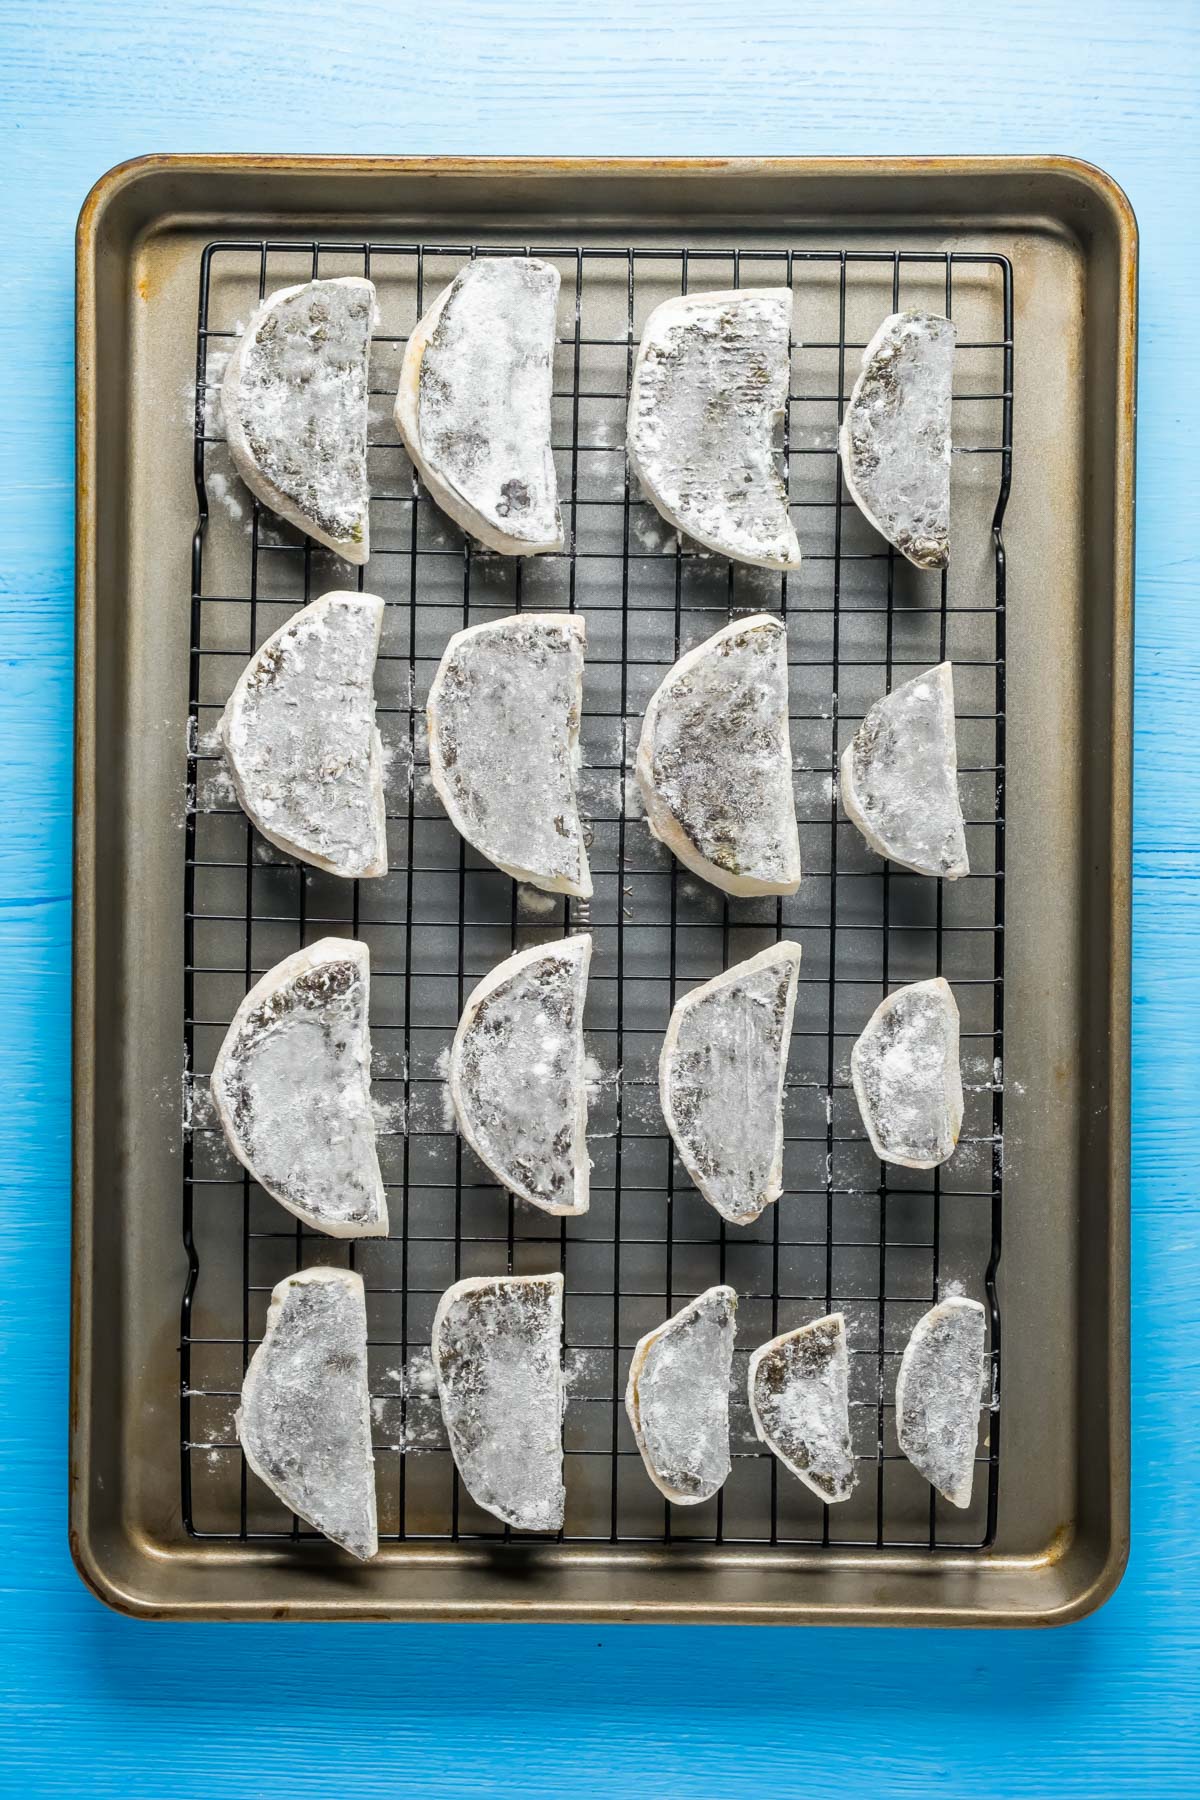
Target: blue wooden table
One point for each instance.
(94, 1703)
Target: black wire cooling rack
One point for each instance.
(879, 1243)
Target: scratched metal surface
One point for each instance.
(1111, 1702)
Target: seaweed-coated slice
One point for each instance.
(292, 1086)
(497, 1358)
(677, 1397)
(906, 1075)
(473, 406)
(900, 777)
(517, 1076)
(721, 1075)
(300, 739)
(710, 386)
(503, 717)
(938, 1393)
(895, 436)
(800, 1403)
(305, 1417)
(294, 399)
(715, 761)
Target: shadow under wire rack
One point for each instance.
(878, 1243)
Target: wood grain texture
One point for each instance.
(95, 1703)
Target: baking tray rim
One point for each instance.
(1089, 1580)
(1103, 186)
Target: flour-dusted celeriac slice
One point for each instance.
(895, 436)
(503, 718)
(517, 1074)
(906, 1076)
(497, 1357)
(720, 1079)
(938, 1393)
(900, 777)
(677, 1397)
(800, 1402)
(292, 1086)
(474, 403)
(294, 399)
(300, 741)
(305, 1417)
(715, 761)
(710, 385)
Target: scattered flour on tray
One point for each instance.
(397, 768)
(651, 532)
(442, 1066)
(533, 900)
(389, 1116)
(227, 493)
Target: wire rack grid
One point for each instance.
(878, 1243)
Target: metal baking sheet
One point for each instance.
(180, 904)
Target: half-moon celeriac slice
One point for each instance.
(497, 1357)
(517, 1074)
(677, 1398)
(714, 763)
(710, 386)
(800, 1402)
(503, 718)
(300, 741)
(294, 399)
(906, 1076)
(473, 406)
(292, 1087)
(721, 1077)
(900, 777)
(938, 1393)
(895, 436)
(305, 1416)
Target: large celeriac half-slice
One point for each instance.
(714, 762)
(799, 1388)
(710, 386)
(895, 435)
(292, 1087)
(677, 1397)
(300, 741)
(294, 400)
(497, 1357)
(473, 405)
(938, 1393)
(503, 717)
(900, 777)
(906, 1076)
(517, 1074)
(305, 1416)
(721, 1078)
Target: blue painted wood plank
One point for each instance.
(92, 1702)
